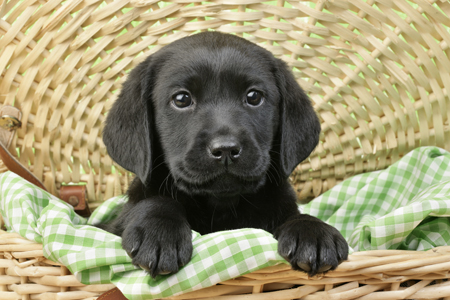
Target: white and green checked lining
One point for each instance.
(403, 207)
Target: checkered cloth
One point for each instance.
(404, 207)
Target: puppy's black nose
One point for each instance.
(225, 150)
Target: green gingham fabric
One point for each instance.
(95, 256)
(403, 207)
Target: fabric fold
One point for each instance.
(406, 206)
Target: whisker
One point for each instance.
(158, 165)
(164, 182)
(248, 201)
(233, 210)
(276, 152)
(212, 217)
(172, 188)
(269, 176)
(280, 178)
(176, 191)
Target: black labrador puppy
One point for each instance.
(212, 125)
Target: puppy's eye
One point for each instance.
(182, 100)
(254, 98)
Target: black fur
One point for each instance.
(220, 163)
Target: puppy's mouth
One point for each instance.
(223, 184)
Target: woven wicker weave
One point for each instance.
(370, 275)
(378, 72)
(25, 274)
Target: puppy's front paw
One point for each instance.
(159, 246)
(311, 245)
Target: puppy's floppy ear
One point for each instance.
(127, 133)
(299, 127)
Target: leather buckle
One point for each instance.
(75, 195)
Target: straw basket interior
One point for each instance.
(377, 72)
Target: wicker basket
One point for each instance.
(376, 70)
(390, 274)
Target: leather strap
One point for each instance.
(15, 166)
(75, 195)
(10, 120)
(8, 115)
(114, 294)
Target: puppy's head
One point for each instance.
(227, 115)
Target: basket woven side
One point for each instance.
(367, 275)
(26, 274)
(380, 83)
(379, 274)
(376, 70)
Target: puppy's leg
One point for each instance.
(155, 234)
(310, 245)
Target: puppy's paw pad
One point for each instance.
(311, 245)
(304, 267)
(158, 252)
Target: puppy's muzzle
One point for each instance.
(225, 150)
